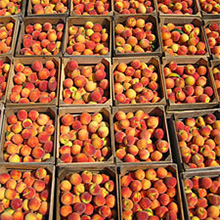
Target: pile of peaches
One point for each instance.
(6, 36)
(40, 7)
(212, 32)
(42, 39)
(34, 83)
(87, 195)
(135, 36)
(188, 83)
(28, 137)
(182, 39)
(85, 84)
(84, 138)
(199, 140)
(149, 194)
(25, 194)
(139, 137)
(202, 195)
(136, 82)
(4, 71)
(90, 39)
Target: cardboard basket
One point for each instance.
(87, 62)
(195, 7)
(22, 12)
(215, 63)
(62, 172)
(41, 20)
(149, 60)
(31, 14)
(111, 8)
(123, 170)
(174, 139)
(28, 61)
(207, 22)
(9, 61)
(80, 21)
(188, 175)
(106, 113)
(154, 12)
(2, 115)
(4, 21)
(49, 110)
(206, 15)
(152, 111)
(188, 106)
(148, 18)
(180, 21)
(5, 168)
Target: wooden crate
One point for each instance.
(199, 105)
(154, 12)
(206, 15)
(123, 170)
(215, 63)
(75, 112)
(80, 21)
(9, 61)
(180, 21)
(5, 20)
(31, 14)
(149, 60)
(62, 172)
(51, 169)
(148, 18)
(87, 62)
(111, 8)
(28, 61)
(196, 12)
(152, 110)
(174, 139)
(41, 20)
(49, 110)
(207, 22)
(186, 175)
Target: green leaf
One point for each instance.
(180, 31)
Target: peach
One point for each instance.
(162, 146)
(30, 216)
(6, 215)
(18, 215)
(67, 198)
(192, 199)
(164, 199)
(213, 211)
(99, 200)
(66, 210)
(152, 193)
(201, 212)
(151, 174)
(206, 182)
(16, 204)
(160, 211)
(170, 182)
(10, 194)
(65, 185)
(79, 208)
(160, 186)
(127, 204)
(67, 120)
(75, 179)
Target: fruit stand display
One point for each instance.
(109, 109)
